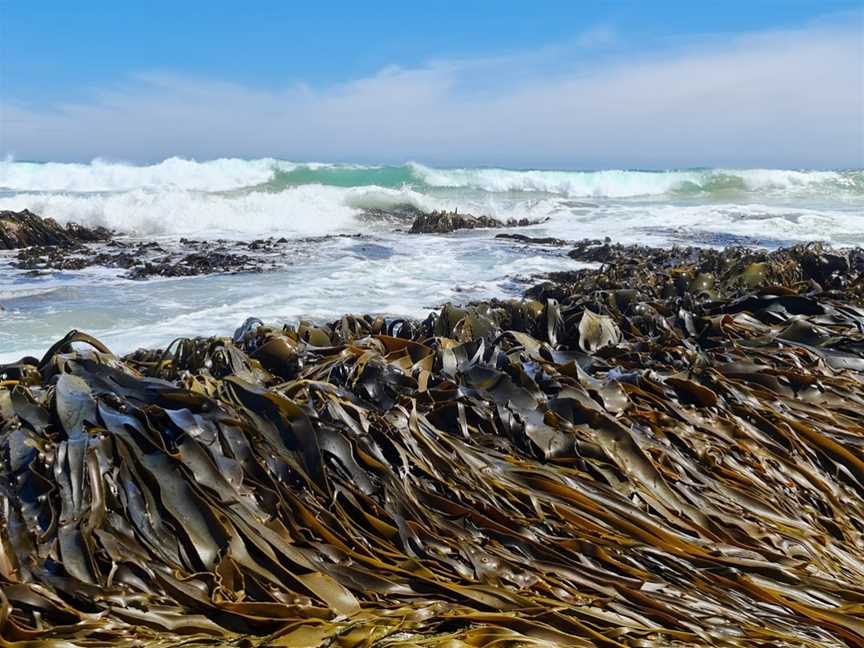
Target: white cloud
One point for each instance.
(781, 98)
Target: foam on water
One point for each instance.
(330, 281)
(315, 209)
(622, 184)
(305, 209)
(652, 223)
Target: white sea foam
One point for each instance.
(315, 209)
(305, 209)
(173, 173)
(232, 173)
(663, 223)
(600, 183)
(622, 184)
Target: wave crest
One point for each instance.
(624, 184)
(174, 173)
(269, 174)
(303, 210)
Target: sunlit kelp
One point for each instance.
(667, 450)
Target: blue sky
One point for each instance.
(390, 81)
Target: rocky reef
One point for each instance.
(44, 246)
(143, 260)
(147, 259)
(25, 229)
(442, 222)
(663, 450)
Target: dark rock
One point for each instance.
(443, 222)
(44, 246)
(151, 245)
(26, 229)
(56, 257)
(81, 234)
(547, 240)
(197, 263)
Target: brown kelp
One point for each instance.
(664, 450)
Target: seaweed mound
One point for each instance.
(667, 450)
(25, 229)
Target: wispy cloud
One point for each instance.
(779, 98)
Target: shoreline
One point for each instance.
(665, 447)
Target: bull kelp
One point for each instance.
(665, 450)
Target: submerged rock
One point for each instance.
(44, 246)
(197, 263)
(533, 240)
(144, 260)
(26, 229)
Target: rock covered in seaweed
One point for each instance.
(632, 462)
(442, 222)
(25, 229)
(143, 260)
(77, 247)
(195, 264)
(713, 272)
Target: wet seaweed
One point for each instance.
(667, 449)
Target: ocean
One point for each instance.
(387, 271)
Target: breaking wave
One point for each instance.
(239, 198)
(304, 210)
(232, 174)
(623, 184)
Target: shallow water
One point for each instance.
(386, 272)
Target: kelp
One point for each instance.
(664, 450)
